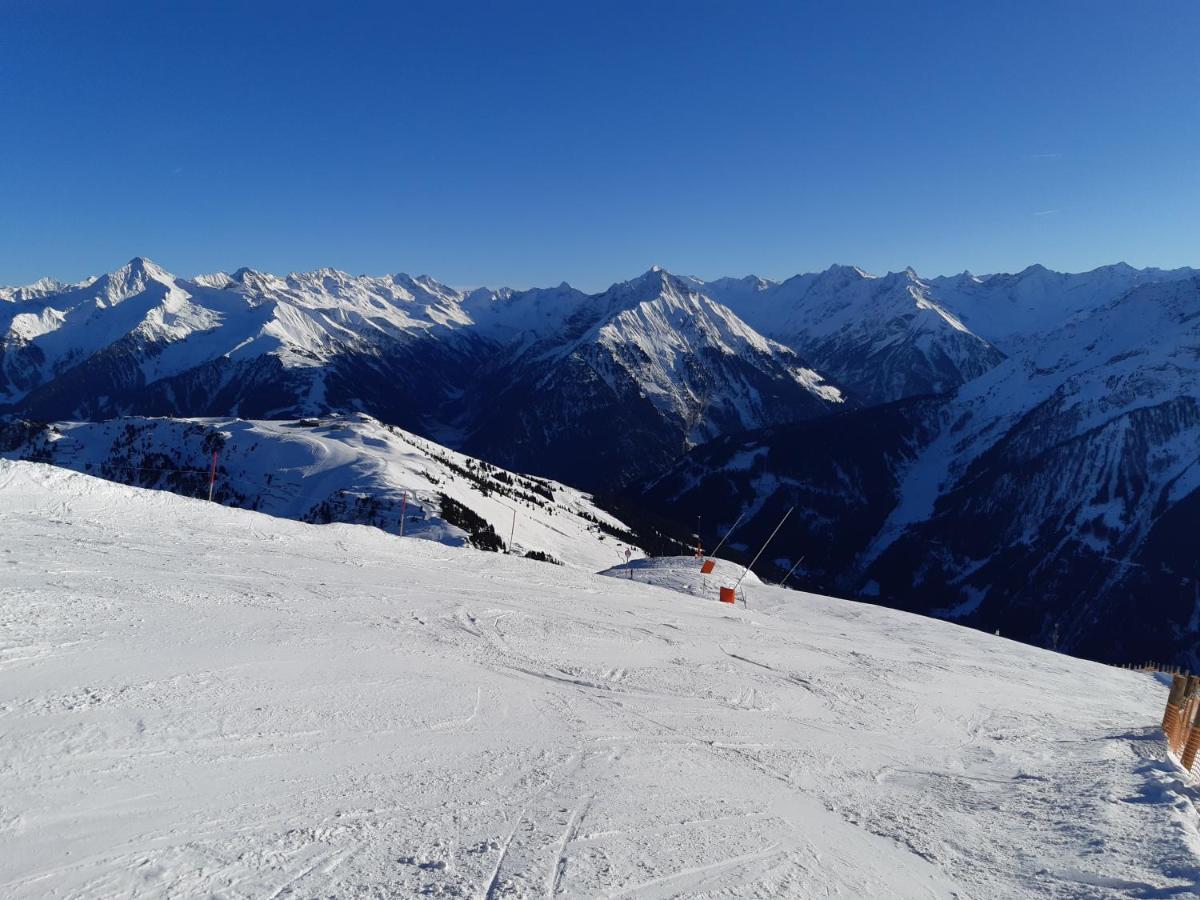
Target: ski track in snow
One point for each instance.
(200, 700)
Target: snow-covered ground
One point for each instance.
(202, 700)
(346, 468)
(682, 574)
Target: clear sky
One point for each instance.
(526, 143)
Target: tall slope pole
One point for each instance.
(713, 555)
(212, 476)
(790, 571)
(764, 546)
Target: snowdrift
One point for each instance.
(682, 574)
(203, 700)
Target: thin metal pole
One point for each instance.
(790, 571)
(513, 530)
(727, 534)
(764, 546)
(212, 476)
(403, 508)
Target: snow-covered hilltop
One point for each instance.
(240, 705)
(350, 469)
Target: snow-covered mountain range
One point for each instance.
(633, 376)
(1012, 450)
(350, 469)
(882, 338)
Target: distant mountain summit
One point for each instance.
(882, 338)
(631, 378)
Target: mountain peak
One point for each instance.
(140, 267)
(253, 278)
(653, 277)
(843, 273)
(132, 278)
(43, 287)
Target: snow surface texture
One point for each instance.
(201, 700)
(679, 574)
(342, 468)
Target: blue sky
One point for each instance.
(527, 143)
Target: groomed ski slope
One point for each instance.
(197, 700)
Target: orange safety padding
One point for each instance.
(707, 566)
(728, 596)
(1171, 725)
(1190, 748)
(1183, 725)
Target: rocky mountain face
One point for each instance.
(598, 389)
(881, 338)
(1046, 498)
(636, 377)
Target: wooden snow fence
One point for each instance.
(1162, 668)
(1181, 719)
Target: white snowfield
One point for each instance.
(196, 700)
(289, 468)
(682, 574)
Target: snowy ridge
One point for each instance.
(884, 338)
(304, 318)
(141, 340)
(410, 351)
(1012, 310)
(348, 469)
(657, 336)
(634, 376)
(230, 702)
